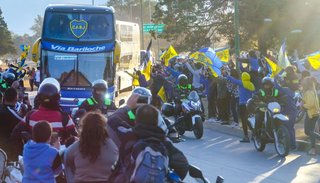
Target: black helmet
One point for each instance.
(49, 95)
(9, 77)
(167, 109)
(145, 95)
(182, 80)
(268, 81)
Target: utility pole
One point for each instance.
(236, 35)
(141, 21)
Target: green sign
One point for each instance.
(153, 27)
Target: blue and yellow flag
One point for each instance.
(314, 60)
(167, 55)
(223, 54)
(35, 50)
(275, 69)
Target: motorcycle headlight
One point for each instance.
(276, 110)
(195, 104)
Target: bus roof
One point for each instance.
(78, 8)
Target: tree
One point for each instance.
(6, 44)
(37, 26)
(190, 24)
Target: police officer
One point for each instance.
(6, 81)
(98, 100)
(183, 88)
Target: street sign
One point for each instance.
(153, 27)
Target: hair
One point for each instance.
(41, 132)
(10, 95)
(234, 73)
(138, 73)
(307, 83)
(252, 54)
(147, 114)
(93, 135)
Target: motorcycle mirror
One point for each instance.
(195, 172)
(121, 102)
(220, 179)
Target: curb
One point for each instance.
(226, 129)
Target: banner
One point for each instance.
(314, 61)
(275, 69)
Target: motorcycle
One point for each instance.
(10, 172)
(191, 118)
(301, 112)
(273, 129)
(195, 173)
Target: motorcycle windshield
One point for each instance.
(193, 96)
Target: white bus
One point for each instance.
(128, 36)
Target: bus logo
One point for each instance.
(78, 27)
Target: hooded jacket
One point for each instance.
(246, 87)
(40, 163)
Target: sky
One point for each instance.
(20, 14)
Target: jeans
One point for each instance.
(309, 125)
(234, 102)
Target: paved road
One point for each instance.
(220, 154)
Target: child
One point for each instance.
(311, 104)
(41, 161)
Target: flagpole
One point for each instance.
(236, 28)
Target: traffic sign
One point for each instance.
(153, 27)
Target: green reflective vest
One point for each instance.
(275, 93)
(91, 101)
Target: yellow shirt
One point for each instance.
(311, 103)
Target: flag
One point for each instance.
(314, 60)
(208, 57)
(223, 54)
(35, 50)
(162, 94)
(283, 60)
(147, 63)
(275, 69)
(167, 55)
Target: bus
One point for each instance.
(78, 46)
(128, 37)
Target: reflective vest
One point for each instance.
(92, 101)
(275, 93)
(184, 90)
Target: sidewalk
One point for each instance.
(303, 141)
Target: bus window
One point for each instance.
(58, 26)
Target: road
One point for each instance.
(220, 154)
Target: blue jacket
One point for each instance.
(38, 161)
(290, 104)
(142, 81)
(244, 94)
(254, 63)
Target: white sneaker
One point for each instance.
(235, 125)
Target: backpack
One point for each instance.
(147, 162)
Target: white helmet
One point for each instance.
(51, 81)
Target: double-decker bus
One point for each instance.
(78, 46)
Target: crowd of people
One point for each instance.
(113, 148)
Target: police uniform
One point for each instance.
(91, 104)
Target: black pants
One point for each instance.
(244, 118)
(212, 106)
(223, 109)
(31, 82)
(309, 125)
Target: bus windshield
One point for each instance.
(77, 69)
(62, 26)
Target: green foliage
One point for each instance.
(6, 44)
(37, 26)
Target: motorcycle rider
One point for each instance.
(125, 136)
(98, 100)
(182, 91)
(268, 93)
(6, 81)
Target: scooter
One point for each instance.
(191, 118)
(273, 129)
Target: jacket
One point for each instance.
(246, 88)
(196, 76)
(311, 103)
(91, 104)
(41, 163)
(125, 137)
(80, 169)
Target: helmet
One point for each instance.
(182, 80)
(100, 84)
(167, 109)
(9, 77)
(100, 88)
(145, 95)
(268, 81)
(51, 81)
(49, 95)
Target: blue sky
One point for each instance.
(20, 14)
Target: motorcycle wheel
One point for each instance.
(283, 144)
(259, 144)
(198, 128)
(300, 116)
